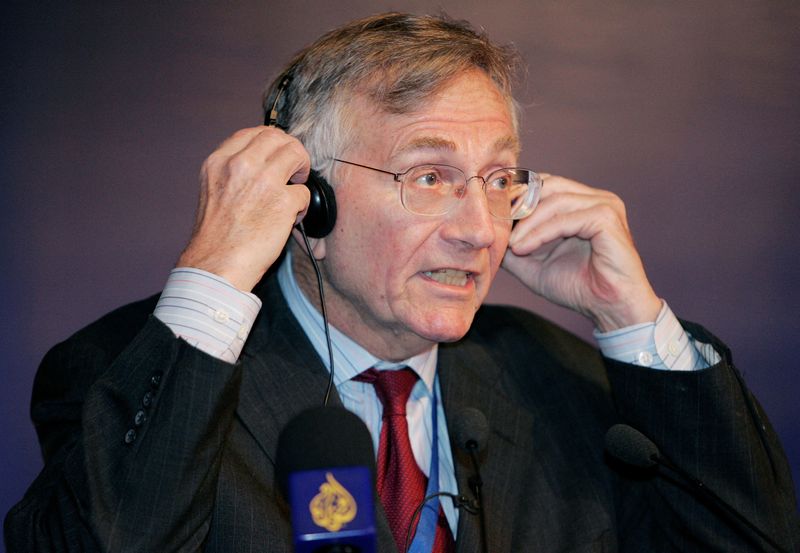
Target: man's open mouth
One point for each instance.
(451, 277)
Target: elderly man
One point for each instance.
(159, 422)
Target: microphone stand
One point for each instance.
(476, 483)
(732, 515)
(459, 501)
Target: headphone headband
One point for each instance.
(271, 118)
(321, 215)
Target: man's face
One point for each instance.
(395, 281)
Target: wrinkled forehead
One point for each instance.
(394, 97)
(366, 114)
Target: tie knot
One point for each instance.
(392, 388)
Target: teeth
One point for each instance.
(451, 277)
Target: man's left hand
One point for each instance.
(576, 250)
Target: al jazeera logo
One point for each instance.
(333, 506)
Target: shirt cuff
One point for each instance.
(208, 312)
(663, 344)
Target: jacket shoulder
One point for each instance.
(70, 367)
(536, 353)
(520, 328)
(108, 335)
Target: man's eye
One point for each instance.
(427, 180)
(500, 183)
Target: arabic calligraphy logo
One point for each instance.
(333, 506)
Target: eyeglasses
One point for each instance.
(511, 192)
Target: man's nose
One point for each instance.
(469, 221)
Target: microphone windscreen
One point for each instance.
(469, 425)
(631, 446)
(323, 438)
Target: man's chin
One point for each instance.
(441, 328)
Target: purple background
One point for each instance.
(690, 112)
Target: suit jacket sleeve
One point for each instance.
(708, 423)
(560, 493)
(132, 422)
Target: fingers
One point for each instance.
(251, 169)
(576, 249)
(258, 153)
(247, 210)
(570, 209)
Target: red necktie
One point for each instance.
(400, 482)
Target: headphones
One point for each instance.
(321, 214)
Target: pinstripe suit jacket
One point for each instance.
(151, 445)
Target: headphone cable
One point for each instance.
(324, 312)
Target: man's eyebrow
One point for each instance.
(510, 142)
(505, 143)
(429, 143)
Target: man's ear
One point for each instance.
(317, 244)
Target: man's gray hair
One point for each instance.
(396, 60)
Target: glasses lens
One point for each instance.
(512, 193)
(431, 189)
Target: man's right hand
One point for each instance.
(246, 210)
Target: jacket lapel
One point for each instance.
(470, 377)
(283, 375)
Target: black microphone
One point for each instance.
(325, 467)
(630, 446)
(470, 431)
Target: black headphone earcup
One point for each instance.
(321, 215)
